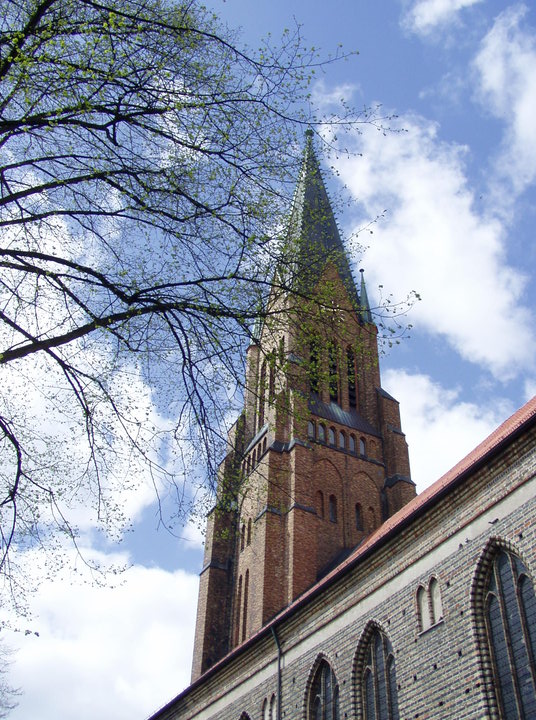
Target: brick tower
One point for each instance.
(317, 460)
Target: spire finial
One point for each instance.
(364, 305)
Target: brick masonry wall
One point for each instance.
(438, 671)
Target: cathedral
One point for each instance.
(329, 589)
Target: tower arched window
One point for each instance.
(331, 435)
(358, 517)
(273, 709)
(245, 606)
(314, 366)
(311, 430)
(333, 374)
(362, 447)
(237, 611)
(379, 698)
(261, 395)
(324, 697)
(332, 508)
(508, 605)
(342, 440)
(351, 444)
(248, 538)
(271, 384)
(321, 433)
(350, 364)
(242, 536)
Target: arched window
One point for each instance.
(273, 709)
(311, 430)
(266, 710)
(324, 698)
(362, 447)
(237, 613)
(342, 440)
(358, 517)
(331, 435)
(248, 540)
(435, 600)
(351, 446)
(264, 446)
(350, 362)
(378, 680)
(261, 395)
(333, 375)
(320, 503)
(314, 366)
(509, 608)
(423, 607)
(333, 508)
(245, 608)
(321, 433)
(242, 536)
(271, 385)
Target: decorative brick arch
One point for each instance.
(370, 630)
(479, 589)
(320, 659)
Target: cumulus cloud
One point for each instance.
(505, 67)
(425, 16)
(118, 652)
(440, 428)
(438, 241)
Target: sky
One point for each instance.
(452, 183)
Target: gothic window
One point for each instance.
(435, 600)
(342, 440)
(314, 366)
(266, 710)
(350, 361)
(332, 508)
(324, 698)
(271, 384)
(245, 607)
(237, 612)
(261, 395)
(333, 375)
(378, 680)
(311, 430)
(352, 444)
(264, 446)
(321, 433)
(509, 606)
(332, 436)
(242, 536)
(248, 540)
(362, 446)
(320, 503)
(358, 517)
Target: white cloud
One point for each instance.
(506, 76)
(440, 428)
(118, 652)
(437, 241)
(425, 16)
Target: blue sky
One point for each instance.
(457, 182)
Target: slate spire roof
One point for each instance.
(314, 235)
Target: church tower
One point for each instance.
(317, 460)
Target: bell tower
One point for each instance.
(317, 460)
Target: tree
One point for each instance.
(146, 161)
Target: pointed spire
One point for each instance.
(364, 306)
(313, 227)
